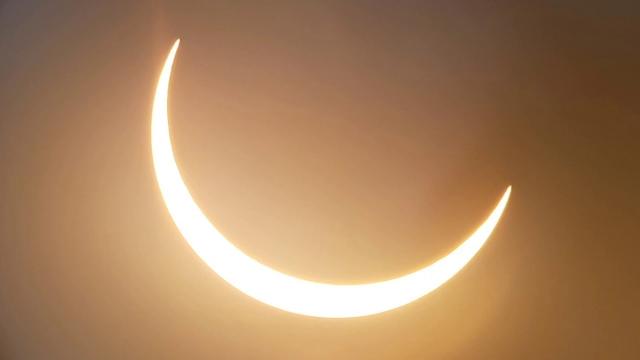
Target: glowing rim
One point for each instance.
(274, 288)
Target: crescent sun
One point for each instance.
(275, 288)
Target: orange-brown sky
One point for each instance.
(337, 141)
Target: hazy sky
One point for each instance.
(337, 141)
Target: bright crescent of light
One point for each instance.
(272, 287)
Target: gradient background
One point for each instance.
(337, 141)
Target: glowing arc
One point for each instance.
(272, 287)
